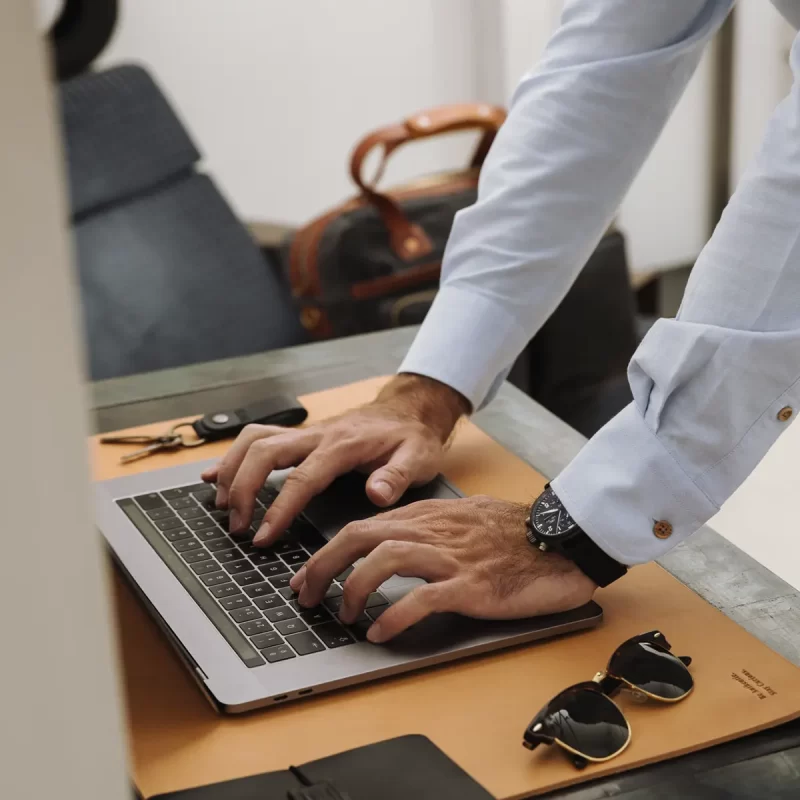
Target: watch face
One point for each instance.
(550, 518)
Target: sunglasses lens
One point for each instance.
(652, 669)
(587, 722)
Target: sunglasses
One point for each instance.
(586, 723)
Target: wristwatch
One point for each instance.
(552, 529)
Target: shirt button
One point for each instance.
(785, 413)
(662, 529)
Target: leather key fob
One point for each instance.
(280, 409)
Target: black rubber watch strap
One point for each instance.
(591, 559)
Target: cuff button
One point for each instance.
(785, 414)
(662, 529)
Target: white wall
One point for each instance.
(276, 93)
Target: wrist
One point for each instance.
(428, 401)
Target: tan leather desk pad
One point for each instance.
(475, 710)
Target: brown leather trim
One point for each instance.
(377, 287)
(303, 265)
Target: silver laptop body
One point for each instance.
(213, 640)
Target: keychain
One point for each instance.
(277, 410)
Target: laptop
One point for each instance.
(227, 608)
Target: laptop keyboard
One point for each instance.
(244, 590)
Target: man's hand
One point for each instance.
(399, 438)
(472, 552)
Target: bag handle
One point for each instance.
(408, 240)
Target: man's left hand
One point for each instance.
(472, 552)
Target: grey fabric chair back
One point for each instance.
(168, 275)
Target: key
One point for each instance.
(178, 491)
(267, 495)
(333, 635)
(245, 614)
(334, 591)
(197, 488)
(226, 556)
(279, 614)
(218, 545)
(191, 513)
(204, 567)
(185, 545)
(287, 593)
(298, 557)
(259, 590)
(289, 626)
(232, 603)
(279, 653)
(238, 567)
(271, 570)
(256, 626)
(248, 578)
(262, 640)
(375, 599)
(226, 590)
(220, 517)
(270, 601)
(305, 643)
(209, 535)
(342, 577)
(258, 514)
(176, 534)
(263, 557)
(169, 523)
(195, 556)
(183, 502)
(215, 578)
(315, 616)
(334, 603)
(157, 443)
(150, 501)
(203, 524)
(376, 611)
(161, 513)
(286, 546)
(281, 581)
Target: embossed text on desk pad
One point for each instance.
(475, 710)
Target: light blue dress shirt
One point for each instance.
(708, 386)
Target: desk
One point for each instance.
(727, 578)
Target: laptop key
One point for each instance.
(180, 491)
(305, 643)
(259, 590)
(176, 534)
(298, 557)
(232, 603)
(334, 603)
(267, 495)
(195, 556)
(185, 545)
(270, 570)
(259, 513)
(248, 578)
(280, 653)
(270, 601)
(245, 614)
(342, 577)
(226, 556)
(261, 556)
(281, 581)
(218, 545)
(290, 626)
(287, 593)
(215, 578)
(160, 513)
(333, 635)
(375, 599)
(205, 567)
(150, 501)
(191, 513)
(262, 640)
(286, 546)
(168, 523)
(333, 591)
(198, 488)
(203, 524)
(183, 502)
(359, 629)
(256, 626)
(227, 590)
(238, 567)
(315, 616)
(376, 611)
(279, 614)
(220, 516)
(211, 534)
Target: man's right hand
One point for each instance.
(399, 439)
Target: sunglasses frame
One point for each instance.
(606, 684)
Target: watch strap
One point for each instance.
(591, 559)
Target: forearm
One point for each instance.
(714, 388)
(579, 128)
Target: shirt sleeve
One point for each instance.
(714, 388)
(579, 128)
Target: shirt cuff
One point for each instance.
(465, 337)
(623, 483)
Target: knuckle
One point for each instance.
(262, 447)
(393, 549)
(251, 431)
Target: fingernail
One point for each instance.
(262, 535)
(222, 497)
(235, 521)
(375, 634)
(383, 490)
(298, 579)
